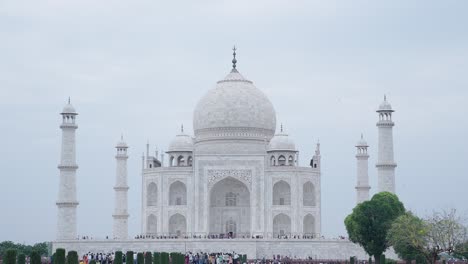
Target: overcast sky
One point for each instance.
(139, 68)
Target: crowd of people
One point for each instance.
(230, 236)
(190, 258)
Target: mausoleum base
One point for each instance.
(254, 248)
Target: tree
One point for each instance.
(148, 258)
(42, 248)
(415, 238)
(21, 258)
(59, 256)
(370, 221)
(129, 257)
(35, 258)
(10, 256)
(164, 258)
(156, 258)
(408, 235)
(140, 258)
(118, 259)
(72, 257)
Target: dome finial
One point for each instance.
(281, 127)
(182, 128)
(362, 137)
(68, 99)
(234, 61)
(385, 97)
(121, 136)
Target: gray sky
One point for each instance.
(139, 67)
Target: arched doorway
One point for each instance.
(281, 193)
(151, 227)
(308, 193)
(177, 194)
(309, 225)
(281, 226)
(177, 225)
(152, 194)
(229, 208)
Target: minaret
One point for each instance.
(120, 229)
(385, 163)
(362, 186)
(67, 203)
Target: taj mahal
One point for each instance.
(234, 185)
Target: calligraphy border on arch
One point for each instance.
(215, 175)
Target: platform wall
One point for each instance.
(317, 249)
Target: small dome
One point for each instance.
(385, 105)
(281, 142)
(181, 142)
(68, 109)
(362, 142)
(234, 109)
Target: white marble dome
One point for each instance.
(281, 142)
(235, 108)
(68, 109)
(181, 142)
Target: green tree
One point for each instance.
(42, 248)
(129, 257)
(424, 240)
(408, 236)
(370, 221)
(156, 258)
(164, 258)
(148, 258)
(118, 258)
(140, 258)
(10, 256)
(59, 256)
(35, 257)
(21, 258)
(72, 257)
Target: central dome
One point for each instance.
(235, 108)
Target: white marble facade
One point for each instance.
(234, 176)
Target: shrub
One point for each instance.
(129, 257)
(148, 258)
(93, 261)
(72, 257)
(382, 259)
(118, 257)
(177, 258)
(140, 258)
(157, 258)
(21, 259)
(59, 256)
(10, 256)
(164, 258)
(35, 258)
(351, 260)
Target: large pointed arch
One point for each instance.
(281, 226)
(309, 225)
(177, 193)
(281, 193)
(177, 225)
(308, 194)
(151, 224)
(229, 208)
(152, 194)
